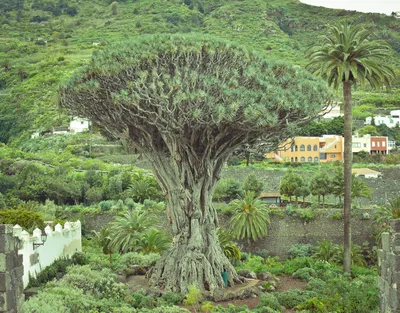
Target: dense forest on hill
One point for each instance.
(43, 41)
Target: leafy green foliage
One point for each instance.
(291, 184)
(251, 183)
(227, 189)
(228, 246)
(28, 219)
(321, 185)
(250, 218)
(300, 250)
(57, 269)
(128, 229)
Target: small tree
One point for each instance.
(290, 183)
(251, 183)
(250, 218)
(359, 188)
(321, 185)
(338, 183)
(302, 191)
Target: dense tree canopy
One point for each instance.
(186, 102)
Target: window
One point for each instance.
(291, 159)
(365, 145)
(373, 143)
(302, 148)
(378, 144)
(315, 148)
(333, 156)
(292, 148)
(309, 159)
(356, 144)
(316, 159)
(309, 148)
(302, 159)
(383, 144)
(295, 159)
(295, 148)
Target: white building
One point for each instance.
(78, 125)
(390, 121)
(361, 143)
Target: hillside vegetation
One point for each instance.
(43, 41)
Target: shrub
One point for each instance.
(26, 218)
(139, 300)
(269, 300)
(300, 250)
(133, 258)
(305, 273)
(72, 11)
(194, 297)
(38, 19)
(251, 183)
(57, 269)
(171, 298)
(227, 189)
(292, 298)
(264, 253)
(96, 283)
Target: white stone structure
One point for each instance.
(390, 121)
(78, 125)
(60, 242)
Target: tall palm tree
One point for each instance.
(345, 58)
(250, 218)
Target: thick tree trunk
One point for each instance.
(348, 156)
(195, 257)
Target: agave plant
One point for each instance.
(250, 218)
(228, 246)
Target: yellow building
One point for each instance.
(310, 149)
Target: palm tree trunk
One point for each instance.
(348, 156)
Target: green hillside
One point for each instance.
(43, 42)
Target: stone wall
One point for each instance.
(283, 232)
(289, 230)
(389, 270)
(11, 272)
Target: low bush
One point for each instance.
(305, 273)
(292, 298)
(300, 250)
(133, 258)
(269, 300)
(57, 269)
(26, 218)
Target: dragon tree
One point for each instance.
(186, 102)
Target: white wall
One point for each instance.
(78, 125)
(60, 242)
